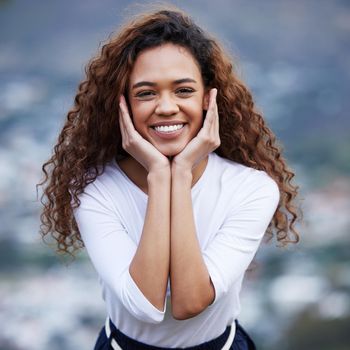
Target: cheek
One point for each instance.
(194, 111)
(196, 104)
(140, 113)
(137, 111)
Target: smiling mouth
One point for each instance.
(168, 128)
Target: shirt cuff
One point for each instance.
(216, 279)
(139, 305)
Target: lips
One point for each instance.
(168, 128)
(167, 123)
(168, 134)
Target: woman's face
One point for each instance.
(167, 97)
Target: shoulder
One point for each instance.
(243, 180)
(108, 181)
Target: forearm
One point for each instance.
(191, 289)
(150, 265)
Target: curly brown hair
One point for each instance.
(91, 135)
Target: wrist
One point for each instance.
(159, 175)
(178, 165)
(181, 174)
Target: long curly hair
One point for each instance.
(91, 135)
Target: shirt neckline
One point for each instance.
(194, 188)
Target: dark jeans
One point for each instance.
(242, 341)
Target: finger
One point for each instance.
(121, 118)
(121, 125)
(212, 99)
(217, 123)
(129, 126)
(212, 104)
(121, 113)
(216, 111)
(212, 110)
(123, 107)
(213, 115)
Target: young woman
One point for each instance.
(170, 178)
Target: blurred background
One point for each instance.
(294, 56)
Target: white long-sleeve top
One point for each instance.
(232, 206)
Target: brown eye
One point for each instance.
(185, 91)
(145, 94)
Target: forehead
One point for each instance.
(166, 62)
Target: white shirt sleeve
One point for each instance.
(111, 251)
(233, 248)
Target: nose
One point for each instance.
(166, 106)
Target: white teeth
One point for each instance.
(168, 128)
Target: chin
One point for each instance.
(170, 151)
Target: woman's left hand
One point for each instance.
(206, 141)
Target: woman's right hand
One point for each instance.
(138, 147)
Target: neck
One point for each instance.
(138, 174)
(198, 170)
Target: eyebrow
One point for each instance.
(176, 82)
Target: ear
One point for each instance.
(206, 99)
